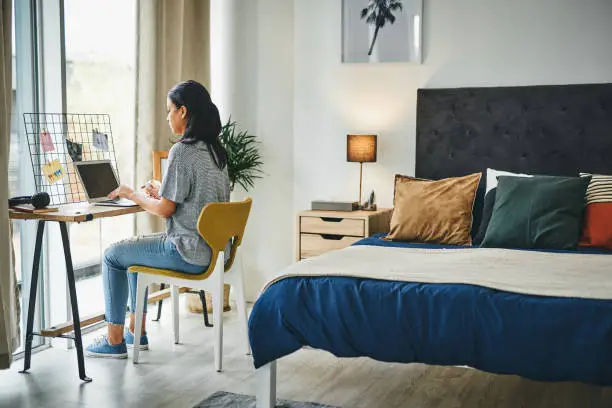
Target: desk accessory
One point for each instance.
(75, 150)
(29, 208)
(74, 137)
(369, 205)
(46, 141)
(100, 140)
(334, 205)
(36, 203)
(53, 171)
(38, 200)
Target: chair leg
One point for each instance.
(217, 297)
(175, 312)
(160, 303)
(204, 309)
(141, 290)
(237, 281)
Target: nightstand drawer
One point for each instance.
(316, 244)
(332, 225)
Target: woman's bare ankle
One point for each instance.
(133, 319)
(114, 333)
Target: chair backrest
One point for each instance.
(220, 222)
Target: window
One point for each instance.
(100, 43)
(100, 59)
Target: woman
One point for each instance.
(197, 175)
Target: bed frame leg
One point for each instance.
(266, 386)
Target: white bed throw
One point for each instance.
(526, 272)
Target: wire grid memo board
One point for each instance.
(56, 140)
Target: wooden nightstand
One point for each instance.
(322, 231)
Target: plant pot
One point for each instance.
(194, 304)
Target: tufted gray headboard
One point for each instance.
(558, 129)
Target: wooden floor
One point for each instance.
(182, 375)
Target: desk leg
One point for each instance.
(73, 302)
(32, 300)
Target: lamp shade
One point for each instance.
(361, 148)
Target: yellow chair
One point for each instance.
(218, 223)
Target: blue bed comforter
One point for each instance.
(537, 337)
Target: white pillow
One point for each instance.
(492, 177)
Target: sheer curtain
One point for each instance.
(173, 46)
(9, 338)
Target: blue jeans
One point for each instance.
(150, 250)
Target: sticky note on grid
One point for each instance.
(100, 141)
(46, 141)
(53, 171)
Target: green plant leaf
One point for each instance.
(244, 161)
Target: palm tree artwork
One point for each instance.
(378, 13)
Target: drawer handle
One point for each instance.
(332, 237)
(330, 219)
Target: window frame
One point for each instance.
(27, 77)
(41, 86)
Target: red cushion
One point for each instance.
(597, 231)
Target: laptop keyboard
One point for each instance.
(118, 201)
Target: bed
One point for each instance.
(544, 315)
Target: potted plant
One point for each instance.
(244, 161)
(244, 166)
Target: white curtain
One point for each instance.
(173, 46)
(9, 337)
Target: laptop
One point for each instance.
(99, 180)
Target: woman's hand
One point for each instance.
(123, 192)
(151, 190)
(158, 206)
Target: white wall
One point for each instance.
(466, 43)
(285, 82)
(252, 79)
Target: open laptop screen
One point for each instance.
(98, 179)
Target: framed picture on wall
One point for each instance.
(382, 31)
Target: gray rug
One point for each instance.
(224, 399)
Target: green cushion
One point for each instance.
(541, 212)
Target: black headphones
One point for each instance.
(38, 200)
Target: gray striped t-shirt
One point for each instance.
(192, 181)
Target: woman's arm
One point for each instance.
(161, 207)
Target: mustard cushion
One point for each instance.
(433, 211)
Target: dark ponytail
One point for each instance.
(203, 120)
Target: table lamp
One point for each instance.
(362, 149)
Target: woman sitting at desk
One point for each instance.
(197, 175)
